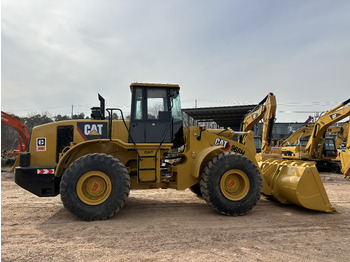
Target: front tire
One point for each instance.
(231, 183)
(95, 187)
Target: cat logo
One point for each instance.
(92, 130)
(221, 142)
(255, 115)
(334, 116)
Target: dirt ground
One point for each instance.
(170, 225)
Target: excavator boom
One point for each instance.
(342, 134)
(19, 126)
(322, 124)
(265, 110)
(345, 157)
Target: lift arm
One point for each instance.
(20, 127)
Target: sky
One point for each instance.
(58, 55)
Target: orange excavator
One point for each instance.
(20, 127)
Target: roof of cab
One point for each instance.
(154, 85)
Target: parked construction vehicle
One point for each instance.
(286, 181)
(316, 149)
(345, 156)
(266, 111)
(302, 135)
(10, 158)
(299, 136)
(20, 127)
(94, 163)
(330, 147)
(342, 133)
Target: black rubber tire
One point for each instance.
(211, 189)
(196, 188)
(120, 186)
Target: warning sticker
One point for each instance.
(41, 144)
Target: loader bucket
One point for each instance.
(345, 163)
(295, 182)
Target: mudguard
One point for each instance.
(202, 158)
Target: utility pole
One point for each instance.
(72, 112)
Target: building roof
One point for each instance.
(229, 116)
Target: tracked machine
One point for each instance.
(345, 156)
(93, 164)
(318, 147)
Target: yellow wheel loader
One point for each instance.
(94, 163)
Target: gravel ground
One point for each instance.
(170, 225)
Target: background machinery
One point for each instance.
(266, 111)
(316, 149)
(302, 135)
(345, 156)
(20, 127)
(286, 181)
(94, 163)
(23, 137)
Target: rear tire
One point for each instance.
(95, 187)
(231, 183)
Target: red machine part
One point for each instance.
(20, 127)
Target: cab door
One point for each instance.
(150, 116)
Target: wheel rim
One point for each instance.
(234, 184)
(94, 187)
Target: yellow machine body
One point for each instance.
(345, 156)
(93, 163)
(289, 182)
(315, 149)
(194, 155)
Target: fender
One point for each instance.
(203, 157)
(76, 151)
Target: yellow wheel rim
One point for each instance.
(234, 184)
(94, 187)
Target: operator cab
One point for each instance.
(329, 148)
(156, 115)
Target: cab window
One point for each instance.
(156, 102)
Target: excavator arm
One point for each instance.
(322, 124)
(297, 135)
(306, 131)
(20, 127)
(342, 134)
(265, 110)
(345, 156)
